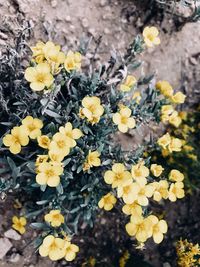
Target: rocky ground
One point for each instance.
(177, 59)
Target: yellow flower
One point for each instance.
(70, 251)
(150, 35)
(92, 160)
(176, 176)
(43, 141)
(72, 61)
(160, 190)
(137, 97)
(175, 145)
(183, 115)
(119, 176)
(53, 247)
(16, 140)
(128, 193)
(107, 202)
(164, 141)
(174, 119)
(178, 98)
(132, 209)
(156, 169)
(158, 228)
(60, 145)
(123, 120)
(39, 77)
(55, 157)
(40, 159)
(176, 191)
(92, 108)
(167, 110)
(188, 148)
(55, 218)
(38, 53)
(19, 224)
(32, 126)
(72, 134)
(49, 174)
(142, 193)
(128, 84)
(140, 228)
(165, 88)
(140, 173)
(54, 56)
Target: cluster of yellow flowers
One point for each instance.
(19, 136)
(49, 167)
(168, 112)
(49, 60)
(55, 247)
(170, 144)
(188, 254)
(135, 190)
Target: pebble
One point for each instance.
(54, 3)
(15, 257)
(166, 264)
(5, 246)
(106, 31)
(12, 234)
(103, 3)
(193, 61)
(85, 23)
(68, 19)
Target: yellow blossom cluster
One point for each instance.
(168, 112)
(19, 136)
(135, 190)
(48, 61)
(57, 248)
(170, 144)
(188, 254)
(49, 167)
(92, 109)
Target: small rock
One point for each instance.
(103, 3)
(91, 31)
(5, 246)
(68, 19)
(12, 234)
(166, 264)
(85, 23)
(106, 31)
(54, 3)
(15, 257)
(193, 61)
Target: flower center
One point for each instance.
(124, 120)
(61, 144)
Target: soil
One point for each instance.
(177, 60)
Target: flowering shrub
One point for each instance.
(59, 152)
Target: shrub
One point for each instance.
(59, 154)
